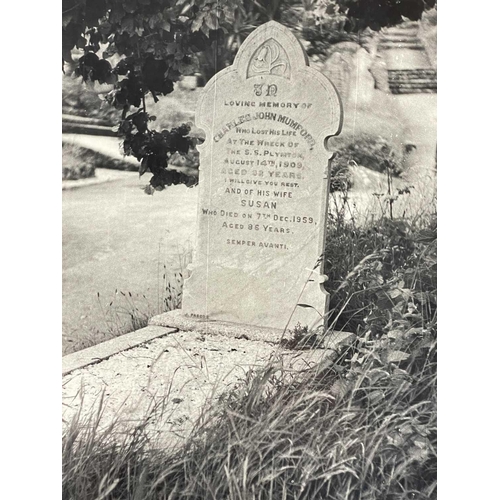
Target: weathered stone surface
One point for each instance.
(263, 187)
(348, 67)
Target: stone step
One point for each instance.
(87, 129)
(412, 81)
(401, 45)
(398, 39)
(410, 71)
(413, 91)
(424, 85)
(401, 75)
(420, 84)
(400, 32)
(85, 120)
(405, 25)
(399, 36)
(416, 83)
(412, 76)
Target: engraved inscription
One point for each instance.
(270, 90)
(263, 169)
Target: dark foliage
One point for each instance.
(370, 268)
(373, 152)
(158, 41)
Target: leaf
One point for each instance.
(211, 21)
(415, 331)
(376, 396)
(418, 454)
(130, 6)
(81, 42)
(128, 24)
(197, 23)
(396, 334)
(395, 439)
(154, 20)
(111, 79)
(305, 305)
(397, 356)
(330, 9)
(66, 54)
(405, 429)
(171, 48)
(144, 166)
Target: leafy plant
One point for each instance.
(302, 338)
(79, 99)
(248, 15)
(142, 47)
(157, 42)
(370, 151)
(79, 162)
(361, 424)
(76, 163)
(371, 266)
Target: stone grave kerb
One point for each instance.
(268, 104)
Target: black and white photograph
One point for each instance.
(249, 249)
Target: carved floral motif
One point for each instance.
(269, 59)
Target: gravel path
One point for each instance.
(109, 146)
(115, 237)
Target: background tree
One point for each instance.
(158, 41)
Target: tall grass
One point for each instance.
(360, 425)
(124, 312)
(364, 254)
(362, 431)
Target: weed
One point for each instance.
(172, 298)
(302, 338)
(360, 425)
(79, 99)
(76, 163)
(79, 162)
(370, 151)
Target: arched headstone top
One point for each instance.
(272, 61)
(270, 50)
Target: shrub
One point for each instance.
(79, 99)
(80, 163)
(373, 152)
(76, 163)
(362, 424)
(367, 264)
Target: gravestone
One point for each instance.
(263, 187)
(338, 70)
(348, 67)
